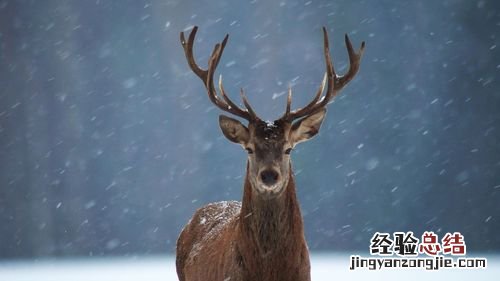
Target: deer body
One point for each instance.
(261, 238)
(255, 240)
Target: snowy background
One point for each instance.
(108, 142)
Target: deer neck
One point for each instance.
(271, 231)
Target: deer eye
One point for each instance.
(288, 151)
(249, 150)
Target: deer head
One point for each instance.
(269, 144)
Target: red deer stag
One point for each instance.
(261, 238)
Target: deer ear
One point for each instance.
(307, 127)
(233, 130)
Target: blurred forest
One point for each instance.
(108, 142)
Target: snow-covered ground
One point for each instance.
(324, 267)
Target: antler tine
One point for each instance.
(330, 73)
(188, 50)
(354, 62)
(290, 115)
(223, 93)
(207, 76)
(335, 83)
(288, 102)
(209, 82)
(222, 46)
(247, 104)
(232, 105)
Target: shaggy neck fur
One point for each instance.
(271, 233)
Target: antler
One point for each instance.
(207, 76)
(335, 83)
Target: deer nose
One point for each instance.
(269, 177)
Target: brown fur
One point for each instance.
(255, 240)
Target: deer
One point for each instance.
(262, 237)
